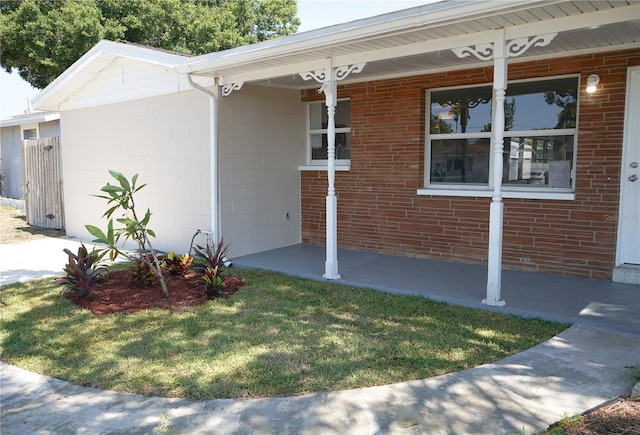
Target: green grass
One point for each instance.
(279, 335)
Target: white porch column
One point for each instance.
(499, 51)
(329, 78)
(494, 274)
(330, 88)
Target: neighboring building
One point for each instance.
(15, 129)
(464, 132)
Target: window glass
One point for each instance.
(461, 110)
(31, 133)
(541, 105)
(540, 132)
(538, 160)
(318, 125)
(460, 161)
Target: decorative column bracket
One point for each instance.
(339, 73)
(230, 87)
(513, 48)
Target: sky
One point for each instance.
(313, 14)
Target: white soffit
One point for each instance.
(425, 42)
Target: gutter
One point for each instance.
(213, 156)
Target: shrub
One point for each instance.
(142, 274)
(82, 271)
(214, 282)
(177, 264)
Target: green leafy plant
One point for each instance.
(215, 260)
(82, 271)
(214, 282)
(121, 197)
(142, 274)
(177, 264)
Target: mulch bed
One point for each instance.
(117, 293)
(620, 416)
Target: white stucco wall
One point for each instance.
(164, 139)
(262, 143)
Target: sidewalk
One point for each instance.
(573, 372)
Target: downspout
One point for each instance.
(213, 158)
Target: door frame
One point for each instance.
(631, 112)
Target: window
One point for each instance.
(31, 133)
(539, 139)
(318, 123)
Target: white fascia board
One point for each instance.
(437, 13)
(32, 118)
(102, 49)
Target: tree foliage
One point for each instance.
(42, 38)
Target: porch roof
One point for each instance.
(402, 43)
(420, 39)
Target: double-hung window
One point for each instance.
(539, 140)
(318, 129)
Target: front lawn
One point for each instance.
(279, 335)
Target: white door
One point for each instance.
(629, 214)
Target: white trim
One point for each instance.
(25, 127)
(488, 192)
(339, 167)
(632, 104)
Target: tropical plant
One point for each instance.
(213, 258)
(142, 274)
(134, 228)
(214, 282)
(82, 270)
(177, 264)
(216, 260)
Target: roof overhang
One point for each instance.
(30, 118)
(420, 39)
(407, 42)
(104, 64)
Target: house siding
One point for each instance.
(379, 209)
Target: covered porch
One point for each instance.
(590, 302)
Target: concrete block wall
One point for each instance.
(163, 139)
(379, 209)
(262, 137)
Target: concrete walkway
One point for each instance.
(575, 371)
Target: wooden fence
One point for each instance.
(44, 201)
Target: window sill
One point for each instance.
(488, 193)
(340, 167)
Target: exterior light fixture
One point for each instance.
(592, 82)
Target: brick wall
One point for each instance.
(379, 210)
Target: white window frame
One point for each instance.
(26, 127)
(508, 190)
(315, 165)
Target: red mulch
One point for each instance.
(117, 293)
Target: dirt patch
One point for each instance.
(15, 229)
(117, 293)
(621, 416)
